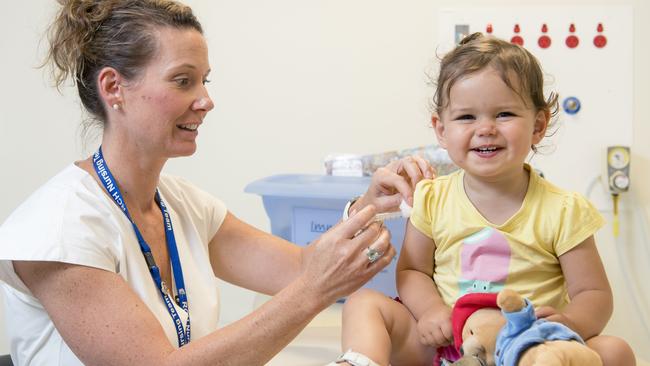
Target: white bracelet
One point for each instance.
(346, 210)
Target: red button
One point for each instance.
(572, 41)
(600, 41)
(544, 41)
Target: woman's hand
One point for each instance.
(337, 264)
(395, 182)
(434, 327)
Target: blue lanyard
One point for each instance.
(110, 184)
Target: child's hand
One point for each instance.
(434, 327)
(551, 314)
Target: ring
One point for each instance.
(373, 254)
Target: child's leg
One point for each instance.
(383, 330)
(612, 350)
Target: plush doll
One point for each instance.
(511, 335)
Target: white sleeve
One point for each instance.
(201, 207)
(69, 225)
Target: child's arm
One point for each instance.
(418, 291)
(591, 296)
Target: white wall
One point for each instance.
(292, 81)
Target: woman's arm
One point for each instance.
(270, 262)
(591, 296)
(104, 322)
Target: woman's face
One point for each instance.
(166, 104)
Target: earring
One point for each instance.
(116, 106)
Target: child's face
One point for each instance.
(487, 128)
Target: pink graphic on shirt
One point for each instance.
(484, 261)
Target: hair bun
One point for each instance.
(71, 35)
(89, 12)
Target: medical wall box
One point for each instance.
(302, 207)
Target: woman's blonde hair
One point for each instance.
(88, 35)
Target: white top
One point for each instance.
(70, 219)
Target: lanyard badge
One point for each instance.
(109, 183)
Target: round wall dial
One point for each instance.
(621, 181)
(618, 158)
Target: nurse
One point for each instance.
(113, 263)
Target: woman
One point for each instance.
(111, 262)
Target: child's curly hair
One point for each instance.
(476, 52)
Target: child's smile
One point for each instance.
(487, 127)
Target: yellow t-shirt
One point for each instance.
(474, 255)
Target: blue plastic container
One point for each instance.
(302, 207)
